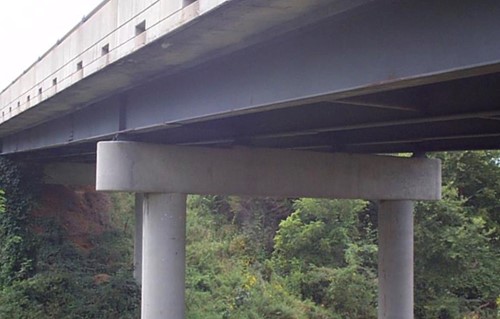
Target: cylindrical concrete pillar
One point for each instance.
(138, 238)
(395, 260)
(163, 260)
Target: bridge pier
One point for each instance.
(395, 260)
(164, 247)
(164, 173)
(139, 211)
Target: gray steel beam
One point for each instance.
(393, 45)
(383, 124)
(381, 135)
(386, 45)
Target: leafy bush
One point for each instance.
(44, 275)
(262, 258)
(20, 187)
(456, 267)
(224, 280)
(326, 259)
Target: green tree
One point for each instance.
(456, 267)
(457, 260)
(326, 258)
(20, 186)
(224, 279)
(476, 176)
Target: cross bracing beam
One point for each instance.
(74, 174)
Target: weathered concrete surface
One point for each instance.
(164, 259)
(139, 211)
(150, 168)
(395, 260)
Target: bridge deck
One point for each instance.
(355, 76)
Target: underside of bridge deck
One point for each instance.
(450, 115)
(384, 77)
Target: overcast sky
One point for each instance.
(28, 28)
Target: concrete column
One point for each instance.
(138, 238)
(163, 260)
(395, 260)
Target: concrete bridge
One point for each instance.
(265, 98)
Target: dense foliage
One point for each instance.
(19, 185)
(457, 265)
(45, 276)
(229, 273)
(269, 258)
(325, 251)
(325, 257)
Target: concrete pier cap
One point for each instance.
(153, 168)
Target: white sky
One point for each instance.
(28, 28)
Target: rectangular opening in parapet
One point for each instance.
(140, 28)
(54, 81)
(185, 3)
(28, 98)
(79, 66)
(39, 91)
(105, 49)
